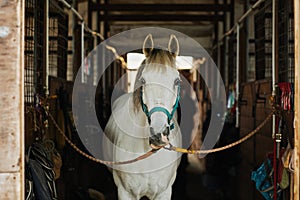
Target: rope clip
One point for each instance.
(170, 148)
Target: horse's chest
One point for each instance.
(146, 183)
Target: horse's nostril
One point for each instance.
(152, 131)
(166, 132)
(155, 137)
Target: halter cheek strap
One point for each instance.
(161, 109)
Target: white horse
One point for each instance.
(147, 119)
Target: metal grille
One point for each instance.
(286, 42)
(58, 41)
(263, 42)
(34, 58)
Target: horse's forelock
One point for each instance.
(161, 57)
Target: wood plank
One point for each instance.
(11, 100)
(246, 110)
(261, 112)
(8, 181)
(263, 92)
(266, 130)
(246, 125)
(264, 145)
(11, 77)
(247, 150)
(248, 93)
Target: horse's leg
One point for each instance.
(124, 195)
(166, 195)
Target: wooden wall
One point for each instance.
(11, 100)
(254, 108)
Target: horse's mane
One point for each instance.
(159, 56)
(137, 87)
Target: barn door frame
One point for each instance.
(12, 99)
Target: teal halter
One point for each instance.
(161, 109)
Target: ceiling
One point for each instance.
(194, 18)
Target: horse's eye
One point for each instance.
(142, 80)
(177, 81)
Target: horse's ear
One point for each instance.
(173, 45)
(148, 45)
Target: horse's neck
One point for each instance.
(137, 115)
(131, 123)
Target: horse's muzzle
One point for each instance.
(159, 139)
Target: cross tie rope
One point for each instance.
(152, 151)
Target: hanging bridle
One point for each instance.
(161, 109)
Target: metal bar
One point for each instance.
(82, 53)
(84, 27)
(273, 64)
(216, 30)
(237, 74)
(104, 74)
(225, 47)
(296, 175)
(47, 47)
(219, 66)
(159, 17)
(273, 50)
(246, 53)
(249, 11)
(274, 134)
(66, 4)
(160, 7)
(242, 18)
(35, 50)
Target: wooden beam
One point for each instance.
(161, 7)
(160, 17)
(12, 99)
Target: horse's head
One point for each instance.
(160, 89)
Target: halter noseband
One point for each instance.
(161, 109)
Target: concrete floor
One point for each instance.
(196, 190)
